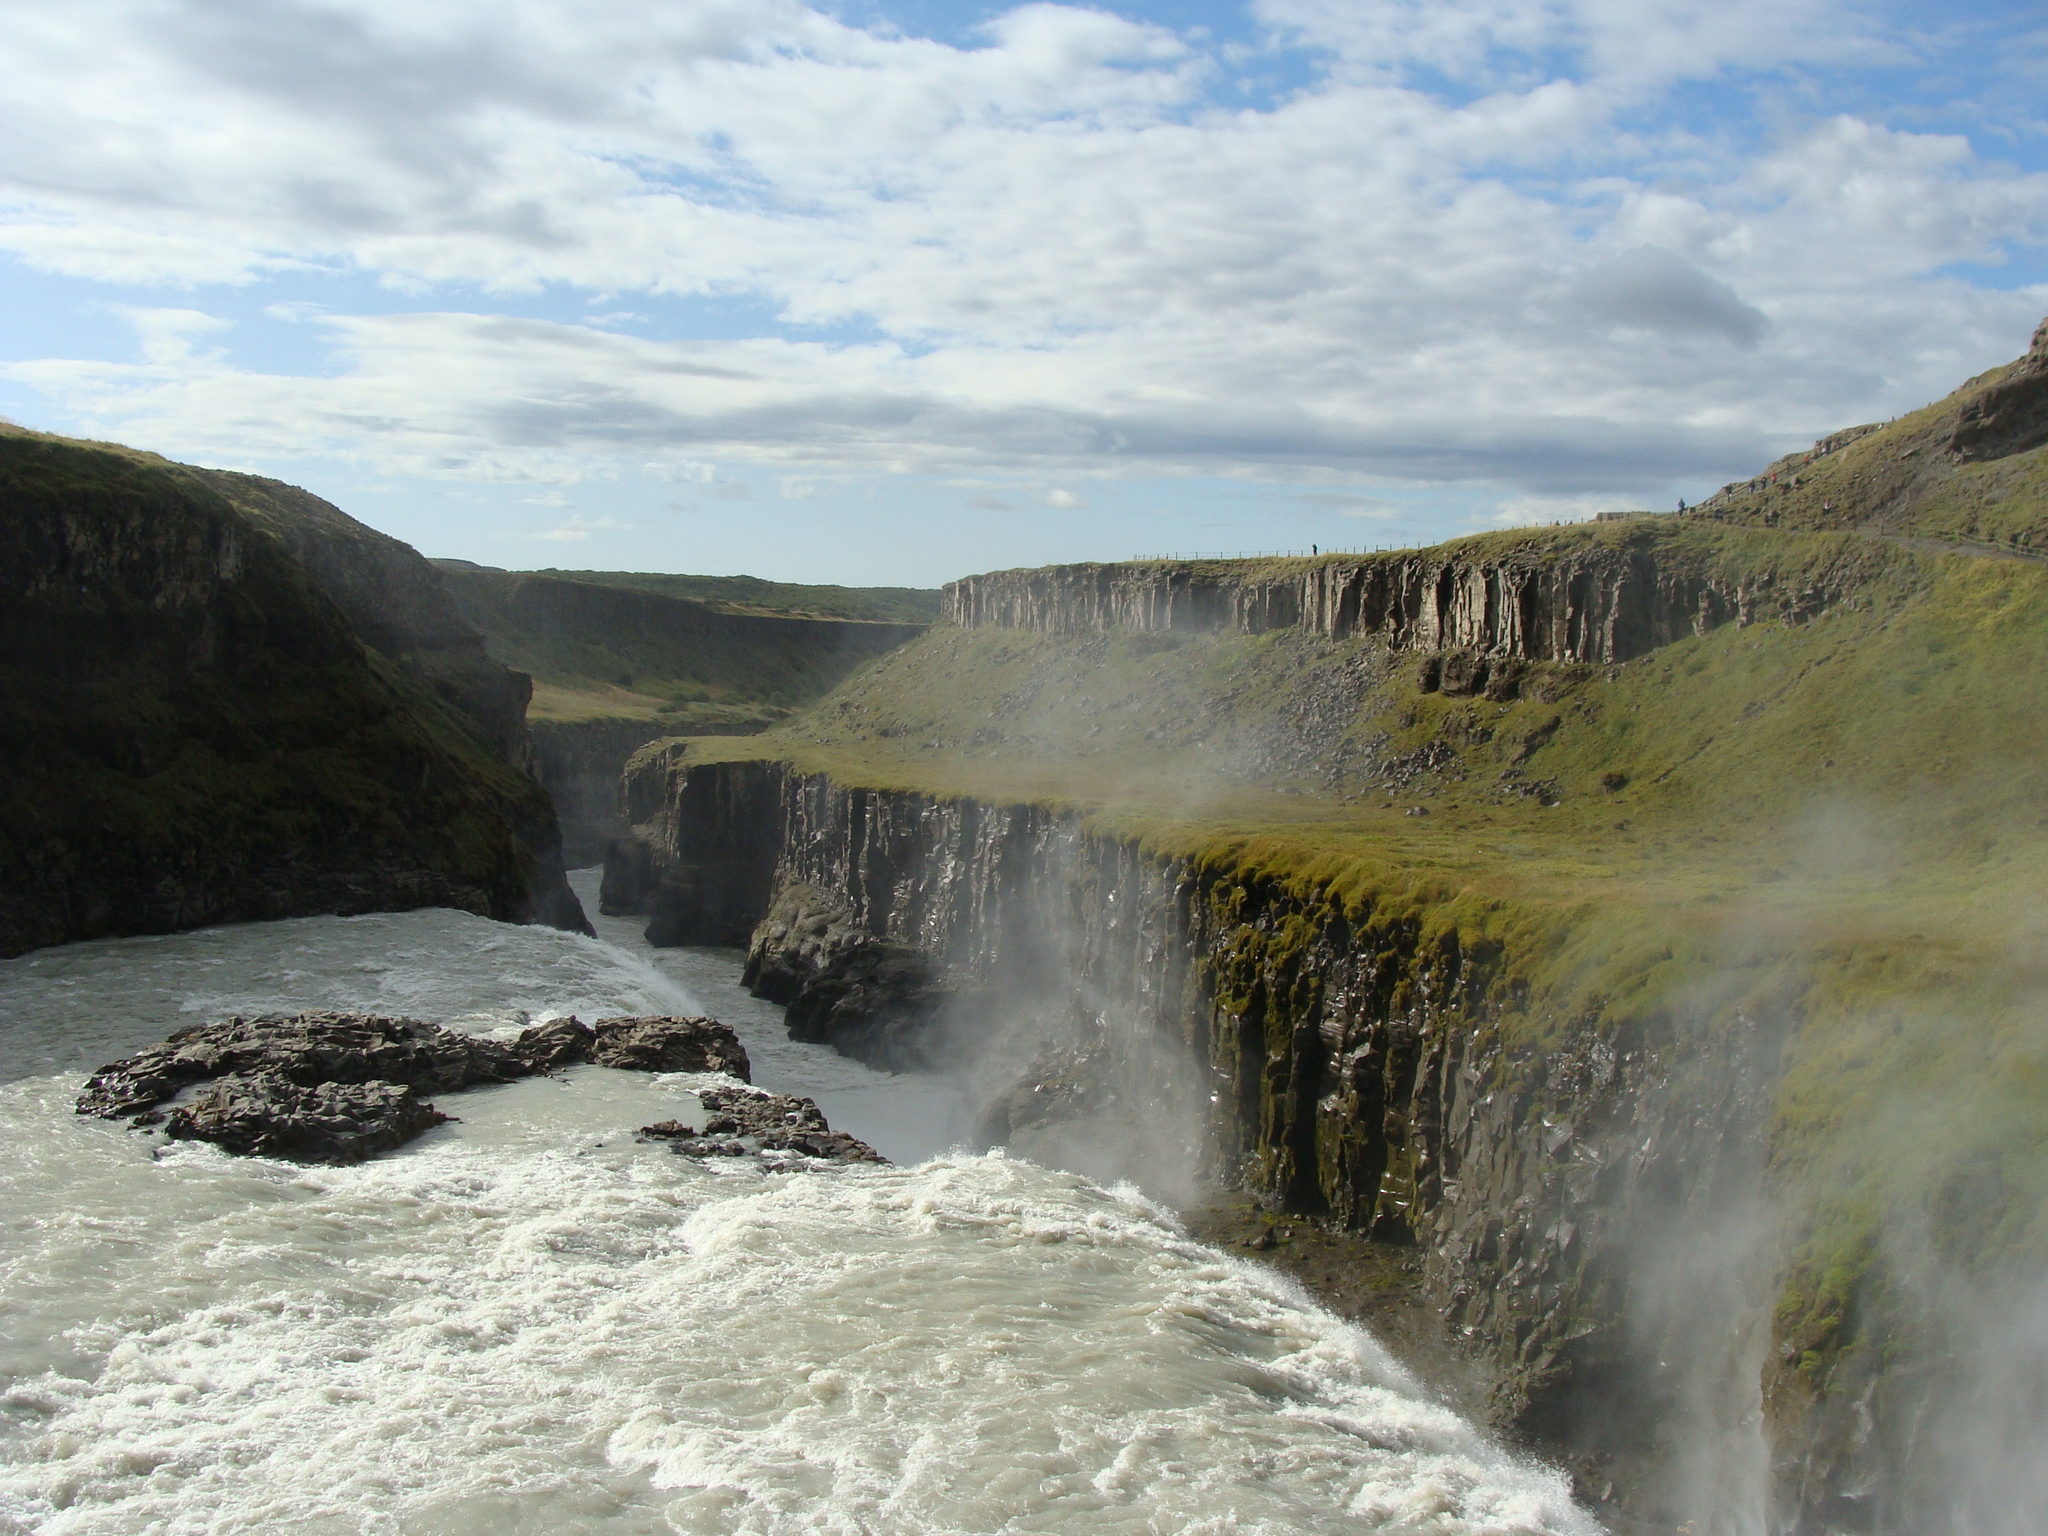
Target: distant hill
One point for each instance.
(1970, 468)
(750, 594)
(627, 649)
(622, 659)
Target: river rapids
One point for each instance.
(529, 1321)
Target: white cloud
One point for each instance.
(1657, 290)
(1351, 505)
(1073, 263)
(167, 335)
(1528, 511)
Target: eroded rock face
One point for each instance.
(1604, 602)
(869, 997)
(331, 1087)
(744, 1122)
(2012, 415)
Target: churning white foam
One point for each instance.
(530, 1322)
(471, 1338)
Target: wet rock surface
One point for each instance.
(339, 1087)
(325, 1123)
(746, 1122)
(308, 1049)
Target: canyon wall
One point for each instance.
(1649, 1136)
(200, 733)
(1586, 1183)
(579, 764)
(1593, 602)
(396, 601)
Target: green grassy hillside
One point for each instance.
(1842, 823)
(1972, 467)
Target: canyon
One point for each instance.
(1556, 906)
(620, 660)
(1626, 931)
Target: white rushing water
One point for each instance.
(529, 1321)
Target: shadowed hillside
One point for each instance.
(226, 703)
(750, 594)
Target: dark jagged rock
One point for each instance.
(870, 998)
(339, 1087)
(2012, 415)
(554, 1045)
(670, 1044)
(271, 1116)
(743, 1122)
(308, 1049)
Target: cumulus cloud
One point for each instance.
(166, 335)
(1525, 511)
(1065, 256)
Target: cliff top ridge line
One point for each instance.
(1588, 593)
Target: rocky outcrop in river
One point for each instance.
(339, 1087)
(776, 1127)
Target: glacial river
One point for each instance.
(529, 1322)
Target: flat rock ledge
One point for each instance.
(781, 1130)
(339, 1087)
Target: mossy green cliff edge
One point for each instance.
(1646, 919)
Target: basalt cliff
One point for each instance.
(228, 701)
(1596, 602)
(1572, 907)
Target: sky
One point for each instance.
(888, 293)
